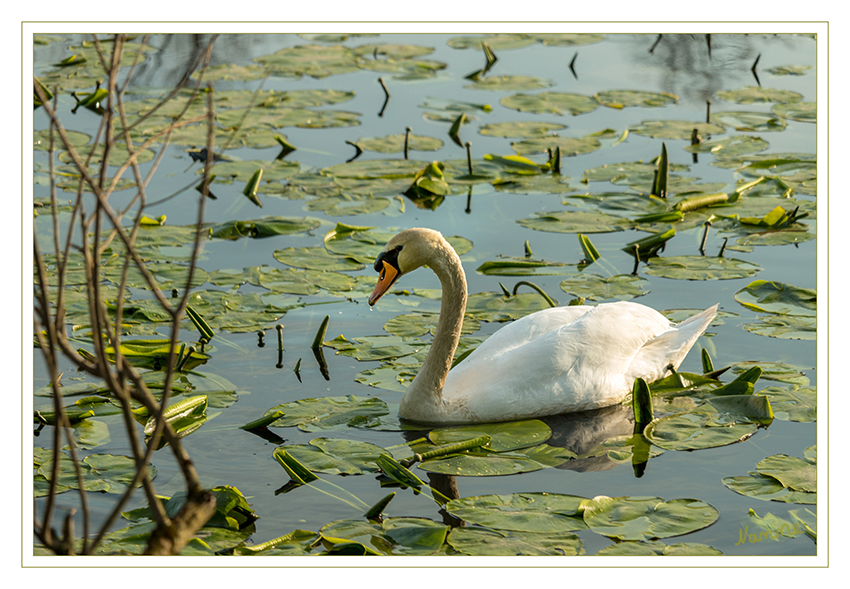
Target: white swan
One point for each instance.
(559, 360)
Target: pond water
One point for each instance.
(679, 72)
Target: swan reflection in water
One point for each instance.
(582, 433)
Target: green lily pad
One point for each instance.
(569, 146)
(575, 222)
(391, 377)
(395, 143)
(805, 112)
(232, 71)
(777, 483)
(41, 139)
(315, 258)
(629, 173)
(481, 465)
(108, 473)
(748, 121)
(779, 298)
(512, 83)
(568, 39)
(675, 129)
(790, 70)
(418, 324)
(793, 404)
(792, 472)
(367, 169)
(337, 456)
(775, 371)
(495, 41)
(504, 437)
(767, 488)
(624, 98)
(342, 206)
(647, 518)
(376, 347)
(767, 238)
(305, 282)
(324, 413)
(550, 103)
(785, 327)
(492, 306)
(397, 535)
(265, 227)
(598, 288)
(694, 430)
(519, 129)
(522, 267)
(551, 513)
(700, 268)
(730, 147)
(757, 94)
(317, 61)
(634, 548)
(484, 542)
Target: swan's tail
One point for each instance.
(670, 348)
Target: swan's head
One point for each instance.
(404, 253)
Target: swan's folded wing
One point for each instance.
(573, 367)
(669, 348)
(526, 329)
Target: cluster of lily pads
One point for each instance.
(656, 197)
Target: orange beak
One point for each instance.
(386, 279)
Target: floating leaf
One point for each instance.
(484, 542)
(395, 143)
(519, 129)
(575, 222)
(700, 268)
(624, 98)
(318, 61)
(551, 102)
(324, 413)
(675, 129)
(805, 112)
(569, 146)
(337, 456)
(757, 94)
(694, 430)
(495, 41)
(315, 258)
(108, 473)
(551, 513)
(521, 267)
(598, 288)
(794, 473)
(647, 518)
(492, 306)
(634, 548)
(397, 535)
(769, 485)
(730, 147)
(418, 324)
(504, 83)
(504, 437)
(749, 121)
(777, 297)
(265, 227)
(793, 404)
(785, 327)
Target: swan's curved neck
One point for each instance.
(426, 389)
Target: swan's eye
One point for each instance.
(383, 273)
